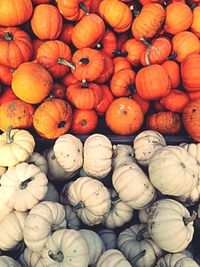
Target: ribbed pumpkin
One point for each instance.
(173, 70)
(31, 82)
(108, 43)
(36, 44)
(68, 79)
(106, 100)
(144, 104)
(6, 75)
(52, 118)
(108, 70)
(7, 95)
(121, 63)
(195, 27)
(66, 33)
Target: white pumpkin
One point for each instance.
(73, 221)
(31, 259)
(94, 243)
(40, 161)
(113, 258)
(42, 219)
(144, 214)
(68, 150)
(97, 156)
(119, 213)
(65, 247)
(176, 260)
(132, 241)
(6, 261)
(173, 171)
(133, 186)
(193, 149)
(90, 199)
(25, 185)
(11, 229)
(146, 144)
(122, 154)
(108, 237)
(15, 146)
(52, 193)
(170, 225)
(4, 198)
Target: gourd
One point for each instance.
(122, 154)
(97, 156)
(73, 221)
(6, 261)
(132, 241)
(90, 199)
(94, 243)
(65, 247)
(31, 258)
(145, 144)
(40, 161)
(169, 162)
(119, 213)
(43, 218)
(25, 185)
(15, 146)
(178, 219)
(68, 152)
(108, 237)
(52, 194)
(176, 260)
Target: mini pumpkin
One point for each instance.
(108, 237)
(108, 43)
(105, 102)
(122, 154)
(173, 260)
(173, 70)
(40, 161)
(6, 261)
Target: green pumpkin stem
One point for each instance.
(78, 206)
(83, 123)
(139, 236)
(61, 124)
(23, 185)
(135, 259)
(84, 84)
(84, 61)
(190, 219)
(99, 46)
(120, 53)
(146, 57)
(62, 61)
(172, 56)
(84, 8)
(134, 11)
(9, 139)
(59, 257)
(8, 36)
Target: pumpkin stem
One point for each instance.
(84, 61)
(115, 200)
(78, 206)
(84, 8)
(190, 219)
(172, 56)
(53, 157)
(146, 57)
(61, 124)
(134, 11)
(9, 139)
(23, 185)
(120, 53)
(8, 36)
(144, 41)
(85, 84)
(135, 259)
(62, 61)
(139, 236)
(99, 46)
(59, 257)
(131, 87)
(83, 122)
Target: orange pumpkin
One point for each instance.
(194, 94)
(108, 70)
(106, 100)
(152, 82)
(15, 12)
(16, 113)
(84, 121)
(121, 63)
(37, 2)
(164, 122)
(158, 106)
(94, 6)
(191, 118)
(46, 22)
(178, 17)
(121, 39)
(144, 2)
(144, 104)
(36, 44)
(195, 27)
(16, 47)
(173, 70)
(58, 91)
(7, 95)
(31, 82)
(124, 116)
(66, 33)
(84, 95)
(108, 43)
(6, 75)
(68, 79)
(52, 118)
(88, 31)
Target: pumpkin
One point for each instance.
(132, 241)
(193, 95)
(90, 199)
(178, 17)
(14, 12)
(58, 91)
(108, 237)
(51, 54)
(122, 82)
(68, 152)
(16, 47)
(173, 159)
(185, 43)
(73, 221)
(108, 43)
(43, 218)
(94, 6)
(189, 72)
(6, 261)
(34, 78)
(195, 22)
(148, 23)
(190, 118)
(68, 79)
(26, 185)
(84, 95)
(121, 39)
(37, 2)
(84, 121)
(92, 28)
(164, 122)
(51, 194)
(105, 102)
(66, 33)
(179, 220)
(65, 247)
(122, 154)
(121, 63)
(119, 213)
(11, 229)
(31, 258)
(108, 70)
(97, 156)
(94, 243)
(75, 9)
(144, 214)
(173, 260)
(144, 104)
(133, 186)
(46, 22)
(6, 75)
(152, 82)
(173, 70)
(36, 44)
(15, 146)
(146, 144)
(40, 161)
(52, 118)
(17, 113)
(124, 116)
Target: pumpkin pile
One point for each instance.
(65, 66)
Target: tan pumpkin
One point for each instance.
(177, 259)
(108, 237)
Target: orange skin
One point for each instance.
(7, 95)
(195, 27)
(121, 63)
(36, 44)
(194, 95)
(58, 91)
(144, 104)
(108, 70)
(173, 70)
(68, 79)
(6, 75)
(106, 100)
(108, 43)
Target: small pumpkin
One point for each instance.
(108, 43)
(108, 237)
(108, 70)
(173, 260)
(6, 261)
(66, 33)
(195, 22)
(51, 194)
(173, 70)
(144, 104)
(58, 91)
(122, 154)
(31, 258)
(121, 63)
(40, 161)
(105, 102)
(6, 75)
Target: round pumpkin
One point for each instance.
(105, 102)
(66, 33)
(195, 22)
(6, 75)
(113, 258)
(121, 63)
(173, 70)
(108, 43)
